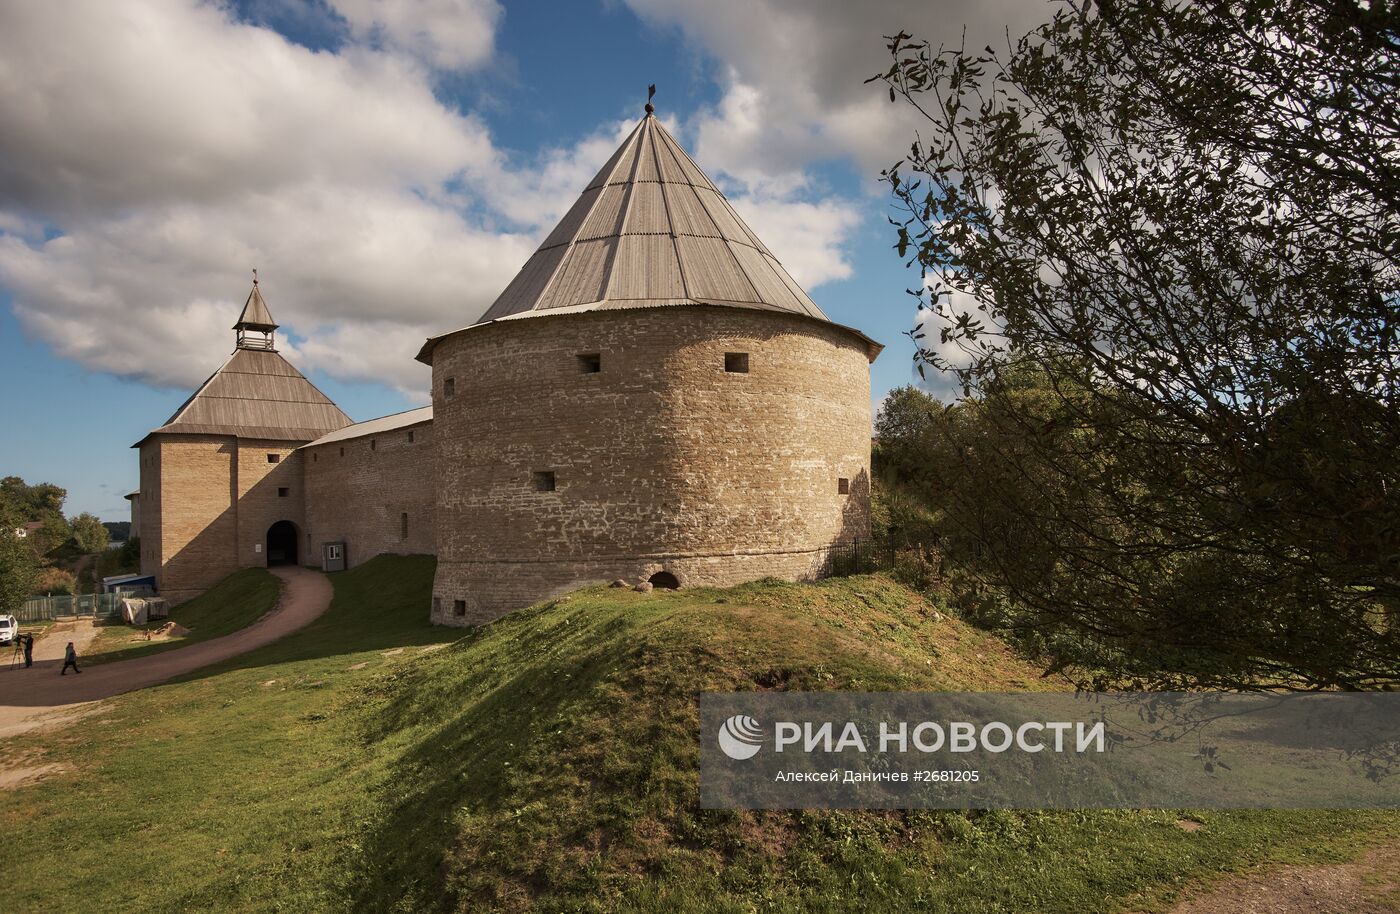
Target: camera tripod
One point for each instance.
(16, 655)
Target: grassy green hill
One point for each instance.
(548, 762)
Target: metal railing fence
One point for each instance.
(79, 606)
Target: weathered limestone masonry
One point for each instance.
(188, 528)
(207, 502)
(663, 461)
(375, 492)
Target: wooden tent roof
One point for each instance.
(257, 394)
(651, 230)
(256, 315)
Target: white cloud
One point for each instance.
(171, 147)
(331, 257)
(794, 72)
(807, 238)
(446, 34)
(105, 106)
(794, 94)
(174, 148)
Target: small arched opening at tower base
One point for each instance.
(282, 543)
(664, 580)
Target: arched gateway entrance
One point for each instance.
(282, 543)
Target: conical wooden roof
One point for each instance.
(256, 315)
(651, 230)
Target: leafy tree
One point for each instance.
(31, 503)
(1183, 220)
(41, 503)
(89, 534)
(17, 565)
(51, 580)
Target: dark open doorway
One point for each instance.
(282, 543)
(664, 580)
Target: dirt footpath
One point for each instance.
(1370, 884)
(54, 642)
(28, 698)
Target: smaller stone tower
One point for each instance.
(221, 480)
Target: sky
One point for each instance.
(387, 166)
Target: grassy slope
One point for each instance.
(236, 602)
(549, 761)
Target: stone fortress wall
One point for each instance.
(376, 493)
(660, 459)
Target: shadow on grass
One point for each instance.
(380, 605)
(468, 717)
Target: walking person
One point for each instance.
(28, 651)
(70, 658)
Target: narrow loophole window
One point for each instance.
(342, 451)
(403, 526)
(736, 362)
(449, 388)
(590, 362)
(544, 480)
(315, 457)
(843, 486)
(410, 437)
(373, 444)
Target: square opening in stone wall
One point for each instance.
(736, 362)
(449, 388)
(544, 480)
(283, 491)
(590, 362)
(274, 458)
(459, 607)
(843, 486)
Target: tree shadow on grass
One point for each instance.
(473, 717)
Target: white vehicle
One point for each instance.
(9, 628)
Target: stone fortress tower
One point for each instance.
(653, 397)
(221, 480)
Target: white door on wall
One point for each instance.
(333, 557)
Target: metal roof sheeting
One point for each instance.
(377, 426)
(649, 228)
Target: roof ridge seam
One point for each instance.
(670, 220)
(734, 255)
(610, 264)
